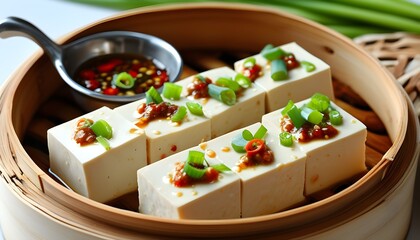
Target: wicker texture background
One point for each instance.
(400, 54)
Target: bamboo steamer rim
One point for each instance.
(22, 168)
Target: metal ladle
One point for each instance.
(67, 58)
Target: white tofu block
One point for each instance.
(248, 109)
(300, 85)
(165, 137)
(92, 171)
(159, 197)
(265, 188)
(329, 161)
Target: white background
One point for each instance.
(57, 18)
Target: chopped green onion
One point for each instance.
(172, 91)
(179, 115)
(247, 135)
(195, 108)
(102, 128)
(123, 80)
(104, 142)
(336, 118)
(238, 143)
(279, 70)
(260, 133)
(229, 83)
(296, 117)
(250, 62)
(309, 67)
(201, 78)
(194, 167)
(223, 94)
(243, 81)
(221, 168)
(286, 139)
(319, 102)
(311, 115)
(152, 95)
(289, 105)
(272, 53)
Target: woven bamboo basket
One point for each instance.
(34, 205)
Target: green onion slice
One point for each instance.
(221, 168)
(309, 67)
(319, 102)
(223, 94)
(238, 143)
(279, 70)
(194, 166)
(271, 53)
(172, 91)
(179, 115)
(243, 81)
(102, 128)
(195, 108)
(289, 105)
(260, 133)
(311, 115)
(152, 95)
(296, 117)
(123, 80)
(286, 139)
(336, 118)
(250, 62)
(247, 135)
(229, 83)
(104, 142)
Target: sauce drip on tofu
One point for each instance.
(152, 111)
(83, 134)
(308, 131)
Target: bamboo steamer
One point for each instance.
(377, 205)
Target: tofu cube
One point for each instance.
(299, 86)
(329, 161)
(268, 188)
(165, 137)
(248, 109)
(92, 171)
(159, 197)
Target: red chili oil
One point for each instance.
(97, 74)
(309, 131)
(257, 153)
(199, 87)
(180, 179)
(83, 135)
(252, 72)
(152, 111)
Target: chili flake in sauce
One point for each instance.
(199, 87)
(99, 74)
(152, 111)
(309, 131)
(181, 179)
(257, 153)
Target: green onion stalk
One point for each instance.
(351, 18)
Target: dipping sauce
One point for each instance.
(121, 74)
